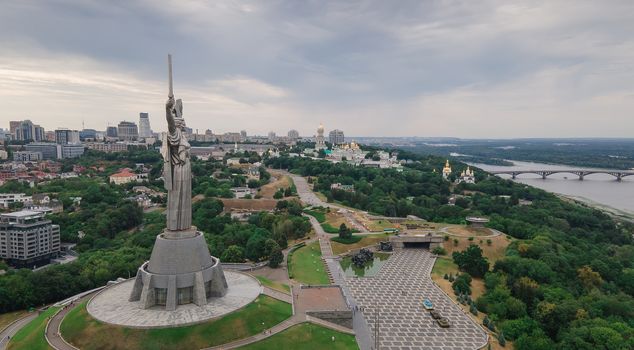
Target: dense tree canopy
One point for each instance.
(567, 279)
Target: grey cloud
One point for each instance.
(371, 67)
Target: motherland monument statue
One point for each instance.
(180, 269)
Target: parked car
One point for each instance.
(443, 322)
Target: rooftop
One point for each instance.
(22, 214)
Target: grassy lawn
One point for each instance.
(379, 225)
(306, 265)
(87, 333)
(306, 336)
(319, 215)
(32, 335)
(444, 266)
(274, 284)
(335, 230)
(367, 240)
(6, 319)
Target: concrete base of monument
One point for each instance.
(112, 305)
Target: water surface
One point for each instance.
(370, 269)
(598, 188)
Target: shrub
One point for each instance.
(473, 309)
(489, 241)
(349, 240)
(455, 242)
(470, 239)
(439, 251)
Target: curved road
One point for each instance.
(14, 327)
(53, 336)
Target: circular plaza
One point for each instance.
(112, 305)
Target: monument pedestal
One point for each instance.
(180, 271)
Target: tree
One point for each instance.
(233, 254)
(462, 284)
(472, 261)
(270, 245)
(589, 279)
(256, 249)
(526, 290)
(344, 232)
(276, 257)
(279, 194)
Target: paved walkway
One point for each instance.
(494, 233)
(14, 327)
(362, 330)
(276, 294)
(392, 302)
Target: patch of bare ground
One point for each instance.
(248, 204)
(277, 181)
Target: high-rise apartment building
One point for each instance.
(88, 134)
(27, 131)
(127, 131)
(66, 136)
(293, 134)
(336, 137)
(144, 126)
(28, 239)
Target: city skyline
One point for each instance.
(500, 69)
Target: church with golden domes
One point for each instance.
(446, 171)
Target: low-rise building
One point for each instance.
(72, 150)
(27, 156)
(123, 177)
(241, 192)
(28, 239)
(7, 199)
(49, 151)
(338, 186)
(108, 147)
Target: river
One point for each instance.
(601, 189)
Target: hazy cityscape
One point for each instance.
(316, 175)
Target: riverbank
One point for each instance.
(613, 212)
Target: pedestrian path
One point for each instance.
(276, 294)
(10, 330)
(53, 336)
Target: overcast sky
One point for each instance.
(371, 68)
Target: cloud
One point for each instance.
(470, 69)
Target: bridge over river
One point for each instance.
(618, 174)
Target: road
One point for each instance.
(308, 197)
(13, 328)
